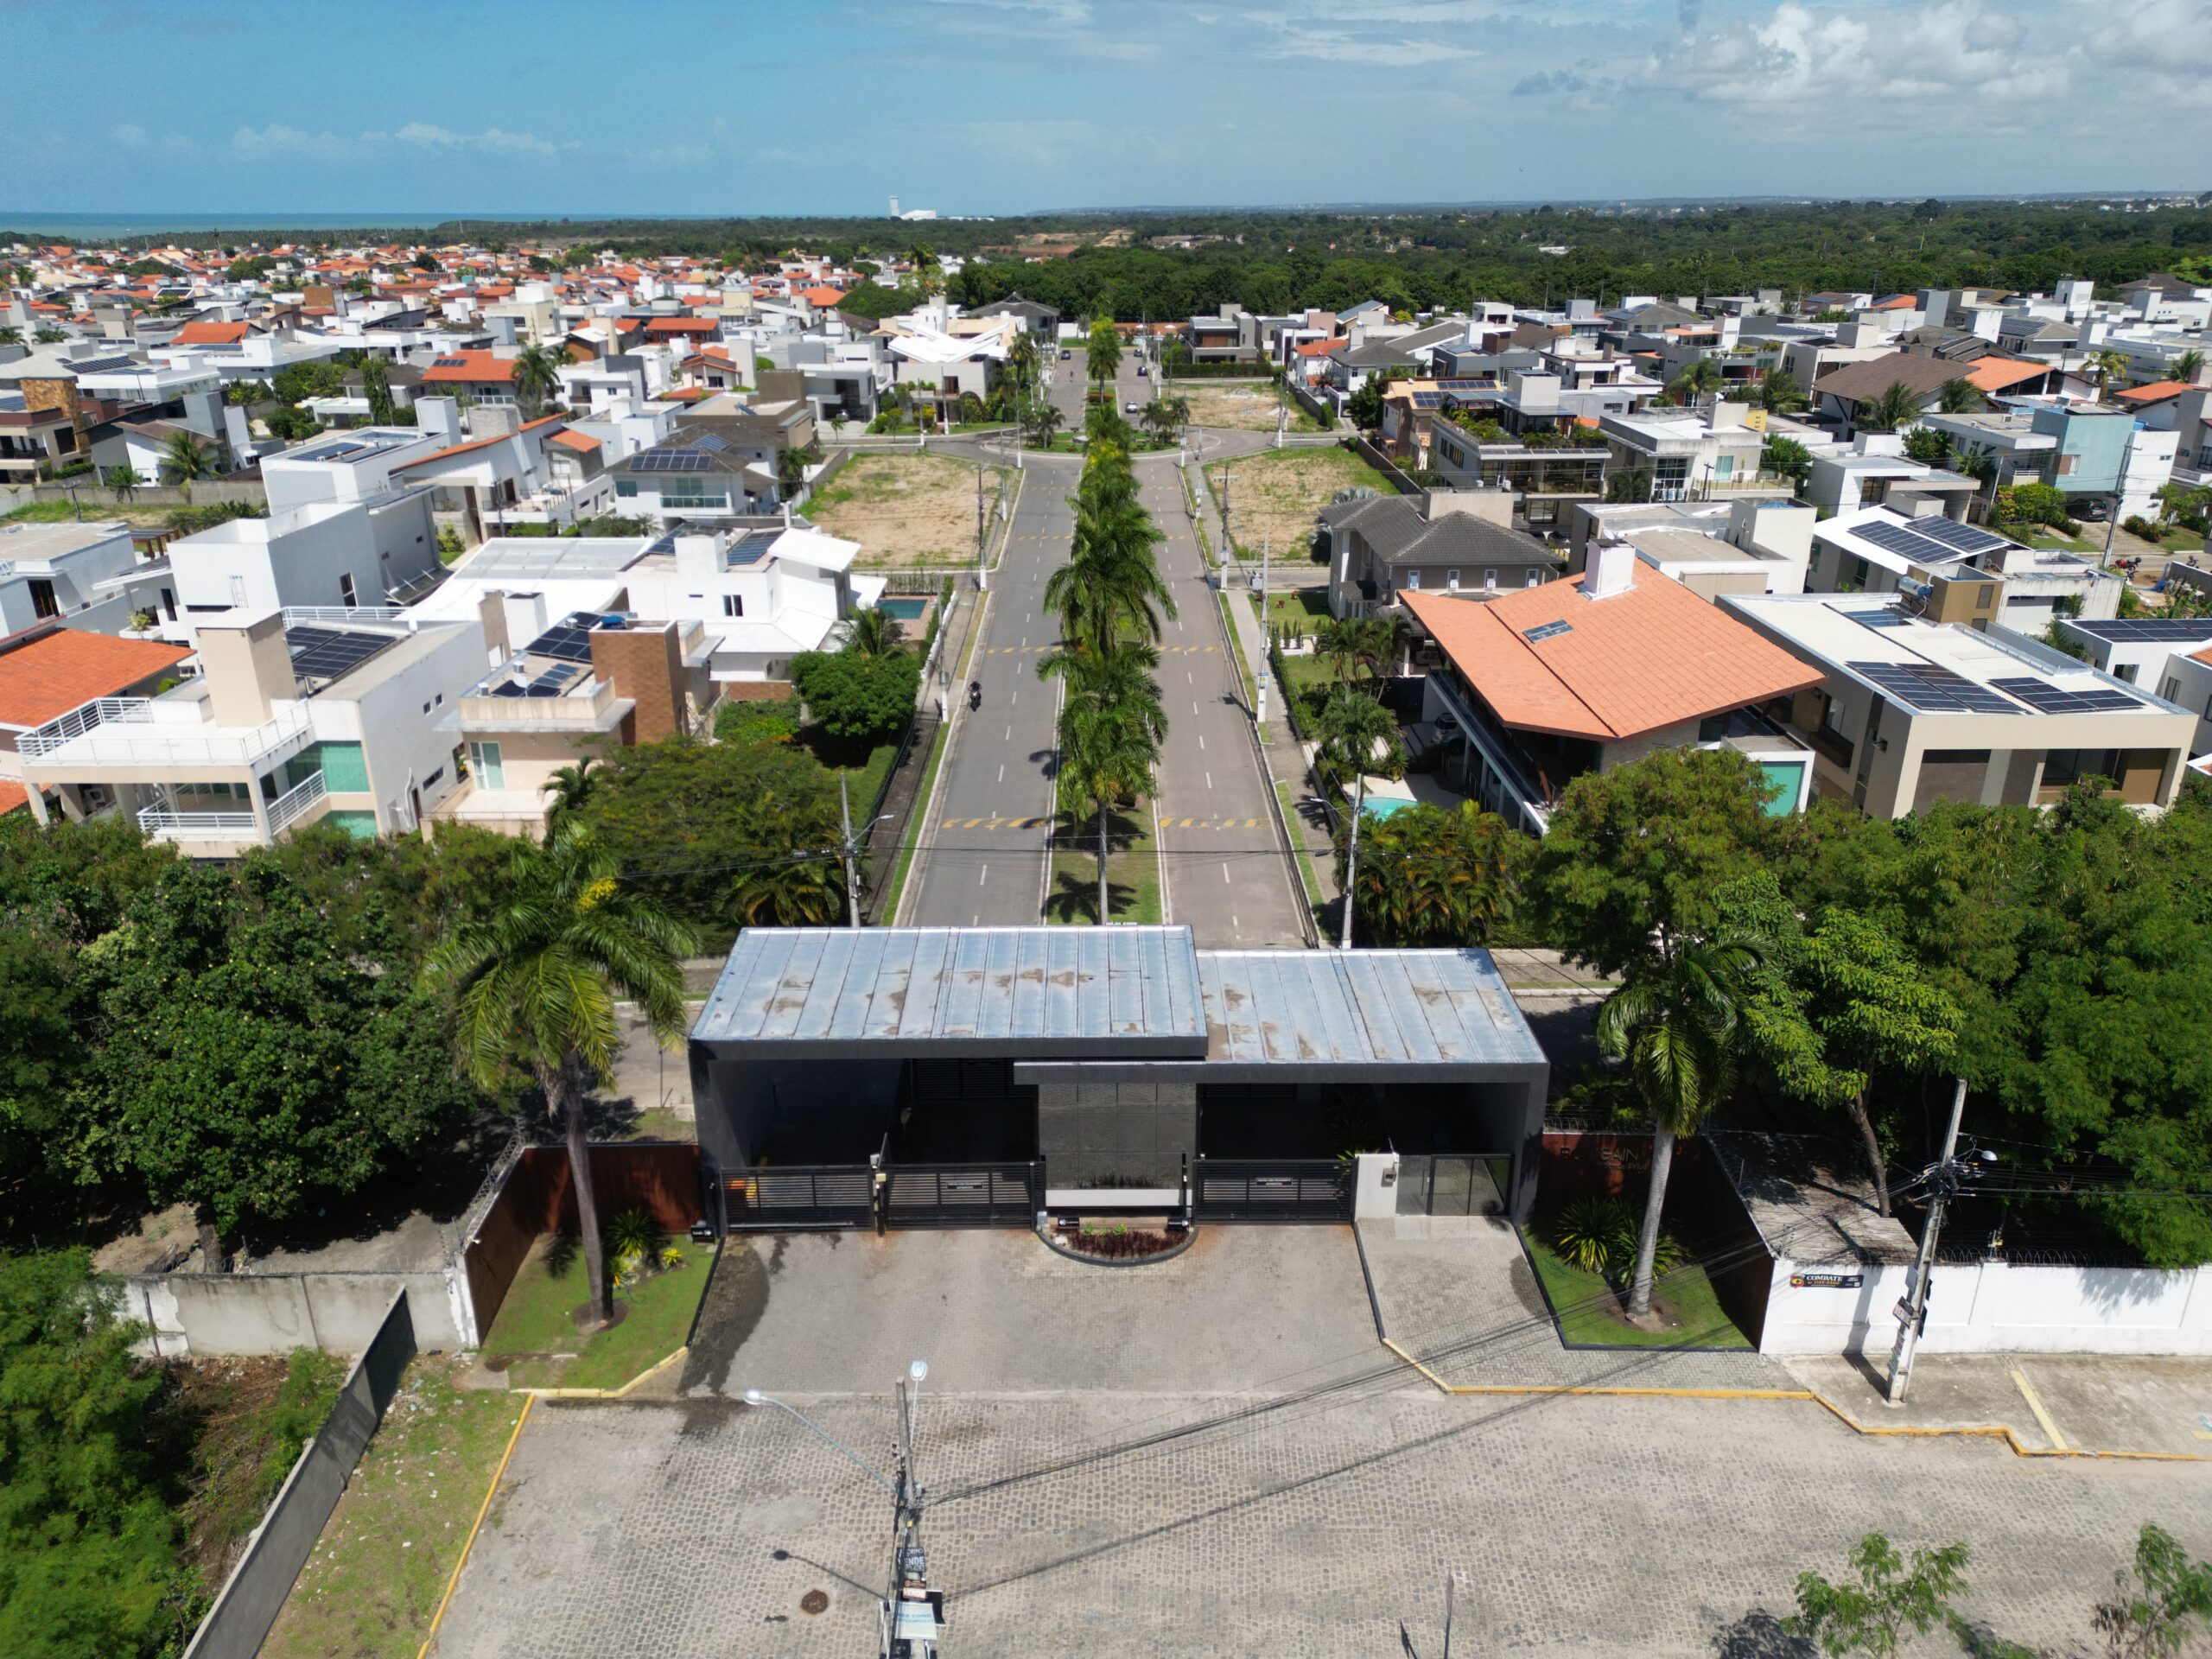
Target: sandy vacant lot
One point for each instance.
(905, 510)
(1276, 495)
(1242, 408)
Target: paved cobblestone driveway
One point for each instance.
(1138, 1514)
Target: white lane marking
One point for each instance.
(1190, 678)
(1209, 783)
(1012, 697)
(1202, 740)
(1194, 705)
(1235, 926)
(1225, 874)
(1002, 771)
(984, 874)
(1009, 733)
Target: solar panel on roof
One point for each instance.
(1427, 400)
(1893, 538)
(450, 363)
(671, 461)
(2051, 699)
(2149, 630)
(711, 443)
(1544, 631)
(1888, 616)
(326, 653)
(1928, 689)
(1967, 538)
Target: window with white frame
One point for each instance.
(484, 760)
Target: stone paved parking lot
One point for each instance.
(1125, 1466)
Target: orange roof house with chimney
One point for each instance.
(1539, 685)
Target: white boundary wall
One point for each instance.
(1994, 1308)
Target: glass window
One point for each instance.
(626, 487)
(484, 760)
(1452, 580)
(1490, 578)
(1413, 581)
(733, 605)
(345, 592)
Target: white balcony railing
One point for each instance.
(143, 731)
(166, 823)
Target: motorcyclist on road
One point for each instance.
(975, 694)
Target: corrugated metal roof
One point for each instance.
(1361, 1007)
(1093, 990)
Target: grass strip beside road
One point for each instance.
(1236, 645)
(1306, 871)
(1685, 1297)
(374, 1582)
(910, 843)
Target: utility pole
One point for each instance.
(913, 1613)
(983, 575)
(1943, 1179)
(1351, 854)
(1263, 681)
(846, 845)
(1226, 544)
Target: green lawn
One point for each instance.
(535, 1331)
(1586, 1310)
(1132, 872)
(865, 771)
(2042, 536)
(374, 1581)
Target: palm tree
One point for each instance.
(1698, 377)
(184, 458)
(873, 632)
(1351, 643)
(533, 985)
(1674, 1021)
(1045, 419)
(1104, 353)
(1897, 403)
(571, 787)
(1779, 393)
(2107, 365)
(1979, 462)
(1111, 588)
(805, 888)
(2189, 365)
(1358, 735)
(11, 335)
(1960, 396)
(1111, 729)
(376, 387)
(537, 378)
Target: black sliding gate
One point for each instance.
(794, 1197)
(1271, 1189)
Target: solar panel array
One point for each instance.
(2049, 699)
(671, 461)
(1888, 616)
(450, 363)
(2150, 630)
(1927, 688)
(1427, 400)
(569, 640)
(751, 547)
(1929, 538)
(1544, 631)
(710, 442)
(325, 653)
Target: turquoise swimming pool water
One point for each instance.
(1383, 806)
(906, 610)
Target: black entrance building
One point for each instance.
(1041, 1068)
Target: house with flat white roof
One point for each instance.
(87, 574)
(296, 717)
(1878, 551)
(1909, 712)
(2170, 655)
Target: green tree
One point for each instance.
(1634, 858)
(854, 696)
(1675, 1019)
(243, 1064)
(1897, 404)
(121, 478)
(1109, 738)
(537, 378)
(571, 787)
(1786, 458)
(1364, 407)
(1104, 353)
(1929, 446)
(2107, 365)
(1700, 377)
(1044, 420)
(1432, 877)
(1358, 735)
(873, 632)
(1886, 1595)
(1778, 392)
(2169, 1602)
(1960, 396)
(534, 987)
(184, 458)
(1110, 590)
(89, 1568)
(376, 386)
(2187, 366)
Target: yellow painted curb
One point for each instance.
(622, 1393)
(1995, 1431)
(430, 1637)
(2050, 1429)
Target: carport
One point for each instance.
(978, 1076)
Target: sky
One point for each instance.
(1001, 106)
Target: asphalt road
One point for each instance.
(983, 836)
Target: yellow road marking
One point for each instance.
(2050, 1428)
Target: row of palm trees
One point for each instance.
(1110, 601)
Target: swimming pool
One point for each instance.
(906, 610)
(1386, 806)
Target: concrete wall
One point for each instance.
(405, 748)
(196, 1313)
(241, 1619)
(1992, 1307)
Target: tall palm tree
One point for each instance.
(1897, 404)
(537, 378)
(1358, 735)
(184, 458)
(1674, 1020)
(2107, 365)
(1111, 588)
(1045, 419)
(2189, 365)
(534, 984)
(11, 335)
(1698, 377)
(1105, 345)
(873, 632)
(1779, 393)
(1979, 462)
(1960, 396)
(1108, 743)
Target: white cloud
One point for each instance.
(424, 134)
(128, 136)
(276, 140)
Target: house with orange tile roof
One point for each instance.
(482, 376)
(1530, 689)
(47, 669)
(539, 474)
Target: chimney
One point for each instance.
(1610, 570)
(248, 667)
(644, 664)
